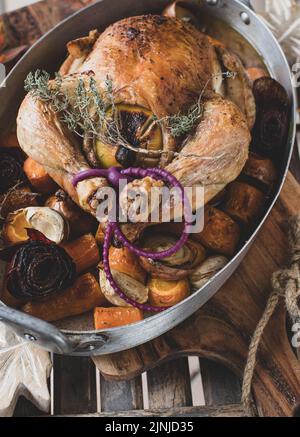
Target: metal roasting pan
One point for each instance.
(47, 54)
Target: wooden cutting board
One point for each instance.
(222, 329)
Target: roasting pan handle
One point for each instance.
(48, 337)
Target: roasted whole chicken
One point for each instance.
(159, 67)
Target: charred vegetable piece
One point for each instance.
(137, 127)
(106, 154)
(11, 173)
(124, 261)
(167, 293)
(261, 169)
(17, 199)
(38, 270)
(84, 252)
(38, 177)
(221, 234)
(80, 222)
(245, 203)
(83, 296)
(177, 266)
(49, 222)
(272, 120)
(107, 318)
(132, 288)
(202, 274)
(181, 10)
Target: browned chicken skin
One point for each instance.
(162, 64)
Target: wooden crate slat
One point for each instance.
(169, 385)
(220, 385)
(74, 385)
(119, 396)
(221, 411)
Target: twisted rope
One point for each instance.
(286, 284)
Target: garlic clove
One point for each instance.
(206, 271)
(48, 222)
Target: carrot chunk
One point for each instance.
(106, 318)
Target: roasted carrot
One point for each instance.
(167, 293)
(38, 177)
(84, 252)
(106, 318)
(82, 297)
(124, 261)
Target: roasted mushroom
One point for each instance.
(273, 108)
(261, 171)
(15, 199)
(80, 222)
(221, 234)
(178, 266)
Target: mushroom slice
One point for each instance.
(176, 267)
(181, 10)
(133, 289)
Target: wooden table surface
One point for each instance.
(76, 385)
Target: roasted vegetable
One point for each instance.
(261, 169)
(132, 288)
(107, 318)
(167, 293)
(39, 269)
(137, 127)
(220, 234)
(49, 222)
(202, 274)
(17, 199)
(272, 121)
(245, 203)
(83, 296)
(84, 252)
(11, 174)
(38, 177)
(124, 261)
(80, 222)
(177, 266)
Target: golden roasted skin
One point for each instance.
(162, 64)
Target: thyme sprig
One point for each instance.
(89, 114)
